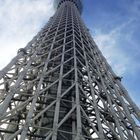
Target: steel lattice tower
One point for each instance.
(60, 87)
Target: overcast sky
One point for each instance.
(114, 25)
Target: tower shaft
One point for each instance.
(60, 87)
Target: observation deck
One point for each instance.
(78, 3)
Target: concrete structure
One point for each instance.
(60, 87)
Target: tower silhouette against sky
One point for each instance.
(60, 87)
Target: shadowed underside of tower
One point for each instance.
(60, 87)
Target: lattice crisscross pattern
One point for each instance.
(60, 87)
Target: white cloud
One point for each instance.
(116, 56)
(20, 20)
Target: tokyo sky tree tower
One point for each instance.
(60, 87)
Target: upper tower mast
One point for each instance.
(78, 4)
